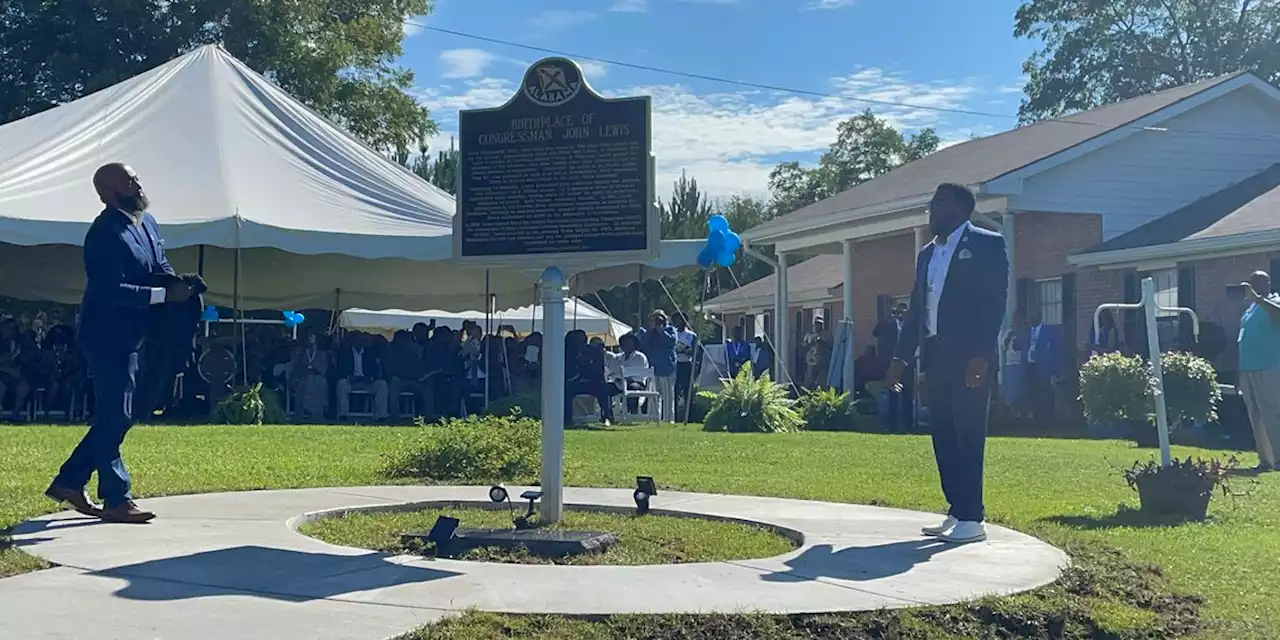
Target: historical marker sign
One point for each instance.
(558, 176)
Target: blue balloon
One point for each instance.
(732, 242)
(718, 222)
(716, 240)
(706, 258)
(292, 318)
(727, 258)
(210, 314)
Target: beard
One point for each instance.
(134, 204)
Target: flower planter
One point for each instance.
(1165, 498)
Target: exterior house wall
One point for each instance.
(1151, 173)
(1212, 304)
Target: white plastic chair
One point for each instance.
(646, 399)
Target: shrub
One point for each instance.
(525, 404)
(1115, 388)
(474, 450)
(1183, 488)
(701, 405)
(829, 410)
(1191, 392)
(748, 404)
(254, 405)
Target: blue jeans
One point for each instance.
(114, 376)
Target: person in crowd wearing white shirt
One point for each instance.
(359, 370)
(957, 308)
(686, 355)
(630, 361)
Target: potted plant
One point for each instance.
(1118, 390)
(1182, 489)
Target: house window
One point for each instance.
(1166, 281)
(1049, 298)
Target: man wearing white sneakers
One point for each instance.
(954, 319)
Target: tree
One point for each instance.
(1100, 51)
(337, 56)
(685, 216)
(441, 172)
(866, 147)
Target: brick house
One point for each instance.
(1058, 190)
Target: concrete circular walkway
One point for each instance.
(231, 565)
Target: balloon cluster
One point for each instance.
(293, 318)
(722, 244)
(210, 314)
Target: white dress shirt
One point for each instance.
(686, 338)
(1031, 348)
(357, 370)
(936, 276)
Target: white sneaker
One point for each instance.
(965, 532)
(938, 530)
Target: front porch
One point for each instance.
(876, 248)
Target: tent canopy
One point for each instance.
(246, 180)
(526, 319)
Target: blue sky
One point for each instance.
(937, 53)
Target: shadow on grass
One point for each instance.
(1124, 517)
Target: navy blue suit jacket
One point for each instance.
(1049, 361)
(121, 261)
(971, 310)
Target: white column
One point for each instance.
(921, 238)
(782, 313)
(1153, 347)
(554, 288)
(849, 354)
(1006, 230)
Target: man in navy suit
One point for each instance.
(123, 256)
(1044, 360)
(954, 319)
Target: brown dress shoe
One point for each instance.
(77, 499)
(127, 512)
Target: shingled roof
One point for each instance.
(819, 272)
(984, 159)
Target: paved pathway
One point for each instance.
(231, 565)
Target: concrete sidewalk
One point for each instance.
(231, 565)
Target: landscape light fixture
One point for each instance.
(523, 521)
(441, 533)
(645, 489)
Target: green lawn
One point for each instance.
(652, 539)
(1064, 491)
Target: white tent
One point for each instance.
(526, 319)
(245, 181)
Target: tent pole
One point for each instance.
(575, 312)
(200, 261)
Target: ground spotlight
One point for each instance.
(442, 533)
(645, 489)
(523, 521)
(498, 493)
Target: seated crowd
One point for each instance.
(430, 371)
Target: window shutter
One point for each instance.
(1186, 298)
(1024, 293)
(1070, 330)
(1132, 293)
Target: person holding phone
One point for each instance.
(1259, 343)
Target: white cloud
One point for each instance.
(557, 19)
(593, 70)
(829, 4)
(465, 63)
(412, 27)
(630, 6)
(730, 141)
